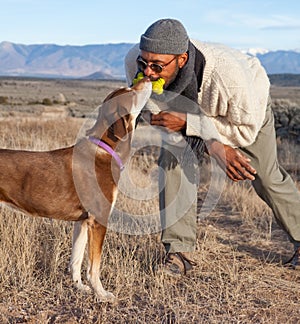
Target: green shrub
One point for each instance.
(3, 100)
(47, 102)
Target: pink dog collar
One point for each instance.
(109, 150)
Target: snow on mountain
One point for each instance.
(255, 51)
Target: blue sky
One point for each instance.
(243, 24)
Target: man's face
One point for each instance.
(170, 64)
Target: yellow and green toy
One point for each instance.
(157, 86)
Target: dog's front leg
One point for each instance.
(96, 235)
(80, 234)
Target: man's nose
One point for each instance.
(148, 71)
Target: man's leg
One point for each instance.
(273, 184)
(178, 197)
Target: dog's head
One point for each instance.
(118, 113)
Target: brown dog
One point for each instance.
(78, 183)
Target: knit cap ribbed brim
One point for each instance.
(165, 36)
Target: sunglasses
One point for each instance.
(157, 68)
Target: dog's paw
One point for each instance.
(84, 288)
(106, 297)
(110, 297)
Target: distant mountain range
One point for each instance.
(103, 61)
(49, 60)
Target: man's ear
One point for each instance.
(182, 59)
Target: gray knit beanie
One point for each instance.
(165, 36)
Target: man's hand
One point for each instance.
(173, 121)
(235, 164)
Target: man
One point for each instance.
(232, 90)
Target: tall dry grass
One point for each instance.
(239, 249)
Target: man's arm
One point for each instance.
(235, 164)
(173, 121)
(232, 161)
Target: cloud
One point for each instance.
(282, 27)
(254, 20)
(273, 22)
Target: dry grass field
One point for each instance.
(240, 249)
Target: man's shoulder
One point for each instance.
(130, 62)
(133, 51)
(212, 47)
(217, 54)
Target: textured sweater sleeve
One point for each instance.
(234, 94)
(202, 126)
